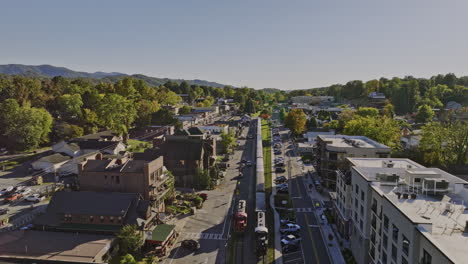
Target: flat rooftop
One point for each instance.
(383, 163)
(345, 141)
(53, 246)
(441, 220)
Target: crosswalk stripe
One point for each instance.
(213, 236)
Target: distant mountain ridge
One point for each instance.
(52, 71)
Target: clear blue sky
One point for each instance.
(284, 44)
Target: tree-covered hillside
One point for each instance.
(38, 110)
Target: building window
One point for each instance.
(372, 251)
(355, 216)
(67, 217)
(406, 245)
(117, 179)
(417, 180)
(403, 260)
(385, 222)
(362, 195)
(427, 258)
(394, 253)
(361, 224)
(362, 210)
(395, 231)
(385, 241)
(357, 189)
(382, 155)
(372, 237)
(384, 257)
(105, 177)
(356, 203)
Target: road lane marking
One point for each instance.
(312, 239)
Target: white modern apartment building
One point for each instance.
(402, 212)
(332, 150)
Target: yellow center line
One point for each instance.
(308, 227)
(312, 239)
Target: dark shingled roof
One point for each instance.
(103, 135)
(54, 158)
(89, 203)
(96, 144)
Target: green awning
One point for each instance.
(161, 232)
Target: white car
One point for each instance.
(24, 192)
(290, 228)
(6, 190)
(290, 240)
(35, 198)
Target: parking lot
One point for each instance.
(18, 212)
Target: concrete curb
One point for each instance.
(278, 252)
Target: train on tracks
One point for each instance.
(240, 217)
(261, 230)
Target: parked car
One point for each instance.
(286, 221)
(190, 244)
(282, 190)
(6, 190)
(290, 248)
(13, 197)
(279, 170)
(35, 198)
(290, 240)
(279, 164)
(282, 185)
(249, 163)
(290, 227)
(4, 211)
(25, 191)
(280, 179)
(297, 234)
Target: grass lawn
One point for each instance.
(137, 145)
(266, 138)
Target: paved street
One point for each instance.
(245, 246)
(314, 249)
(211, 225)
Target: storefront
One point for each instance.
(161, 239)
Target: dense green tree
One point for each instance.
(425, 114)
(185, 110)
(69, 106)
(283, 114)
(228, 140)
(381, 129)
(444, 145)
(129, 240)
(117, 113)
(367, 112)
(389, 110)
(296, 121)
(163, 117)
(311, 123)
(145, 110)
(26, 127)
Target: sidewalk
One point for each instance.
(278, 250)
(326, 229)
